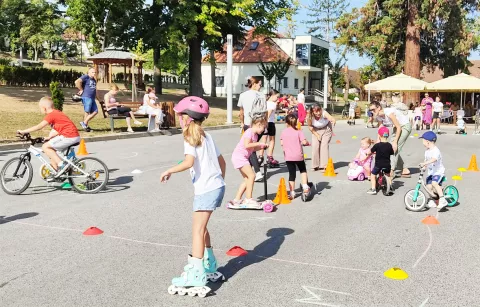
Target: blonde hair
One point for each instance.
(114, 87)
(193, 133)
(369, 140)
(259, 120)
(46, 102)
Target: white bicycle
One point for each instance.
(86, 175)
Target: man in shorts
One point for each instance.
(87, 86)
(63, 135)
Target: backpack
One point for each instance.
(259, 108)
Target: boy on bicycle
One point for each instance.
(382, 150)
(63, 134)
(435, 169)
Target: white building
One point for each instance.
(308, 54)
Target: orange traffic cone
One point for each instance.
(330, 170)
(299, 126)
(473, 164)
(82, 150)
(338, 142)
(282, 196)
(430, 220)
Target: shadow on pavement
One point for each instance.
(8, 219)
(120, 180)
(261, 252)
(340, 164)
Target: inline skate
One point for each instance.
(210, 265)
(192, 281)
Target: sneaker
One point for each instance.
(130, 130)
(61, 169)
(372, 192)
(250, 202)
(442, 203)
(138, 123)
(291, 196)
(431, 204)
(84, 126)
(259, 177)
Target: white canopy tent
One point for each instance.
(461, 82)
(397, 83)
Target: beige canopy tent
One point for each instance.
(462, 83)
(397, 83)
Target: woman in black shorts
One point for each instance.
(114, 108)
(271, 129)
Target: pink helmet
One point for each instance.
(195, 107)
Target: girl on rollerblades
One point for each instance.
(207, 169)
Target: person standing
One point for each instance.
(321, 125)
(427, 116)
(246, 103)
(87, 86)
(302, 110)
(391, 117)
(437, 107)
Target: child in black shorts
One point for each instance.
(382, 151)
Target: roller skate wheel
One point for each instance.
(202, 294)
(172, 290)
(268, 207)
(182, 292)
(192, 293)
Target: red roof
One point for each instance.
(267, 51)
(437, 74)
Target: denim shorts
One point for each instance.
(89, 105)
(209, 201)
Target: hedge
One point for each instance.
(36, 76)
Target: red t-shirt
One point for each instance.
(62, 124)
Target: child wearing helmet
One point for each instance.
(382, 150)
(207, 169)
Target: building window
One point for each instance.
(219, 81)
(295, 83)
(285, 82)
(302, 54)
(319, 56)
(254, 46)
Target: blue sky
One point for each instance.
(354, 61)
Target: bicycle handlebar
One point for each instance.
(28, 138)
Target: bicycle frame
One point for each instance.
(420, 184)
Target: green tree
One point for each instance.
(57, 95)
(323, 14)
(406, 35)
(280, 69)
(268, 71)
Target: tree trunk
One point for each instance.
(347, 84)
(213, 89)
(35, 49)
(157, 73)
(412, 47)
(195, 65)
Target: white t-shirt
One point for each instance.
(437, 107)
(301, 98)
(436, 168)
(322, 122)
(461, 124)
(271, 106)
(402, 118)
(245, 101)
(206, 172)
(353, 105)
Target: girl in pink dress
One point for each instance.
(427, 115)
(364, 157)
(247, 145)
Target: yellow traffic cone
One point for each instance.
(473, 164)
(282, 196)
(82, 150)
(330, 170)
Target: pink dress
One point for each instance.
(427, 115)
(241, 154)
(362, 155)
(302, 113)
(292, 144)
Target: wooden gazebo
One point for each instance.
(112, 56)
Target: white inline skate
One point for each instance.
(192, 281)
(210, 265)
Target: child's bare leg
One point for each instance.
(271, 146)
(243, 186)
(367, 170)
(249, 176)
(304, 178)
(291, 184)
(263, 141)
(437, 188)
(373, 179)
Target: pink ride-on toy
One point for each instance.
(356, 172)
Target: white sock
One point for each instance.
(305, 186)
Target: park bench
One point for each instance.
(132, 105)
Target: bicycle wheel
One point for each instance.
(95, 180)
(451, 195)
(386, 189)
(415, 200)
(15, 185)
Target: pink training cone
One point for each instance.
(236, 251)
(92, 231)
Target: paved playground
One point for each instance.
(331, 251)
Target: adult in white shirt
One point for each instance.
(437, 108)
(245, 103)
(301, 96)
(391, 117)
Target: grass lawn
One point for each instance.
(20, 111)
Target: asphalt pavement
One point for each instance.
(331, 251)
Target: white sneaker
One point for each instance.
(259, 177)
(442, 203)
(130, 130)
(431, 204)
(138, 123)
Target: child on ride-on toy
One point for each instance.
(360, 168)
(382, 150)
(435, 169)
